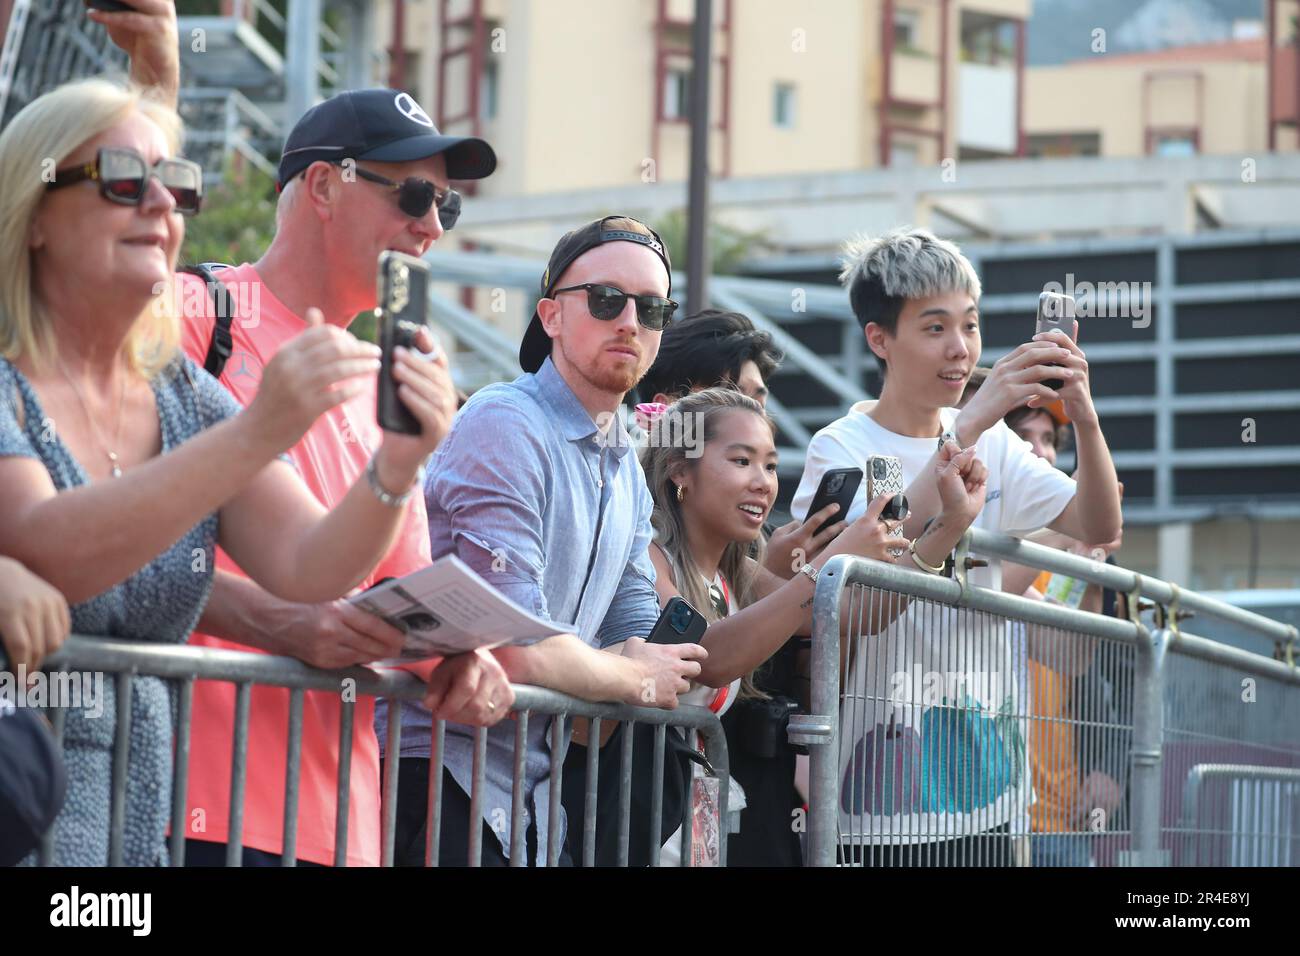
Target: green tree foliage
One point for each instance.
(728, 246)
(236, 223)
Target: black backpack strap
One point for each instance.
(220, 347)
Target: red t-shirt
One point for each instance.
(330, 458)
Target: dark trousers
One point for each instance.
(411, 834)
(992, 848)
(207, 853)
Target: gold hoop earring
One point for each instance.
(681, 493)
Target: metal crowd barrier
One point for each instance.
(181, 665)
(1027, 733)
(1236, 815)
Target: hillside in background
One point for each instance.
(1061, 30)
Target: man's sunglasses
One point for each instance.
(123, 177)
(607, 303)
(416, 196)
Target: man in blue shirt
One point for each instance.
(537, 489)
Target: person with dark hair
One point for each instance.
(707, 349)
(707, 517)
(712, 348)
(1046, 429)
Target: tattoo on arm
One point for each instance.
(931, 526)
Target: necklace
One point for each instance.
(94, 426)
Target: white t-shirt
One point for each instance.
(932, 740)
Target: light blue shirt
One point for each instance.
(519, 490)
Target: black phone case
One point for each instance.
(666, 633)
(844, 498)
(403, 307)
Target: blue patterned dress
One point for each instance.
(161, 602)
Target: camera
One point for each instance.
(834, 485)
(764, 725)
(879, 470)
(680, 617)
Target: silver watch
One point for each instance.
(809, 572)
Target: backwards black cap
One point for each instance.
(537, 344)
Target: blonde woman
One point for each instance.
(122, 464)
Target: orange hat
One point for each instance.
(1057, 411)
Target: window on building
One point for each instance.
(783, 104)
(677, 93)
(903, 155)
(411, 73)
(1063, 144)
(488, 94)
(907, 29)
(1174, 144)
(988, 40)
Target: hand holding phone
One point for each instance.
(1055, 313)
(402, 311)
(838, 486)
(885, 477)
(678, 623)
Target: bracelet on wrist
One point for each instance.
(920, 562)
(384, 495)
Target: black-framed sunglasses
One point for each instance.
(123, 177)
(607, 302)
(416, 196)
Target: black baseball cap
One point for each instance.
(537, 344)
(384, 125)
(33, 781)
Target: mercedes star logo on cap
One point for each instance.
(412, 110)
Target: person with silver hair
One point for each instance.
(917, 298)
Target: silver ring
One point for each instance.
(492, 705)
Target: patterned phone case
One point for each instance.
(885, 477)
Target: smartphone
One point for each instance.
(885, 477)
(1055, 311)
(838, 486)
(678, 623)
(109, 6)
(403, 308)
